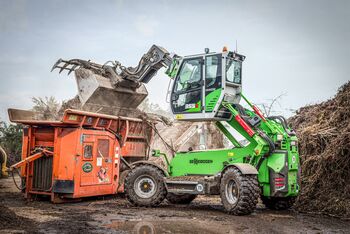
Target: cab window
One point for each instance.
(103, 148)
(88, 151)
(187, 94)
(233, 71)
(189, 76)
(212, 72)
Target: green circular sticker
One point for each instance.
(87, 167)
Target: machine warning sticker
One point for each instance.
(73, 117)
(99, 161)
(87, 167)
(103, 175)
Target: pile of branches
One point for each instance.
(324, 142)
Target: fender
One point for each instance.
(245, 168)
(149, 163)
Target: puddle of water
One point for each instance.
(149, 224)
(152, 227)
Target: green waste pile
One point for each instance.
(324, 141)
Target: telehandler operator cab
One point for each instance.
(203, 82)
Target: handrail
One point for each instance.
(31, 158)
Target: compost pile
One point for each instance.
(324, 142)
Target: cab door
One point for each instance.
(187, 94)
(97, 161)
(213, 81)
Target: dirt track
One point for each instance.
(113, 214)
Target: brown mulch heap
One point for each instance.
(324, 142)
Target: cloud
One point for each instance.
(146, 25)
(13, 16)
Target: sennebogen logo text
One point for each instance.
(197, 161)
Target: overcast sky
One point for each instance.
(300, 48)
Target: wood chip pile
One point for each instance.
(324, 142)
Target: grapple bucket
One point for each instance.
(96, 93)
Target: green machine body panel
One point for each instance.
(212, 99)
(209, 162)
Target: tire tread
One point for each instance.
(248, 192)
(129, 187)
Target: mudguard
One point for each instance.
(150, 163)
(245, 168)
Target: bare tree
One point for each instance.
(268, 108)
(48, 107)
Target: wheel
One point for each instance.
(180, 198)
(278, 203)
(239, 193)
(1, 166)
(144, 186)
(2, 160)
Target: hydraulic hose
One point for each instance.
(283, 121)
(271, 148)
(14, 180)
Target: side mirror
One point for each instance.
(174, 97)
(156, 153)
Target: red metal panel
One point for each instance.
(244, 125)
(134, 149)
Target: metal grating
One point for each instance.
(42, 174)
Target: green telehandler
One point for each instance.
(262, 162)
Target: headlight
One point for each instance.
(279, 137)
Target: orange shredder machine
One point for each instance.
(82, 155)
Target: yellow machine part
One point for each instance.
(3, 160)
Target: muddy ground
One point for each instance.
(113, 214)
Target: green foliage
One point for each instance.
(11, 141)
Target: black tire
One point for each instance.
(239, 193)
(2, 160)
(278, 203)
(180, 198)
(144, 186)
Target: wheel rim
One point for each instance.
(231, 192)
(145, 186)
